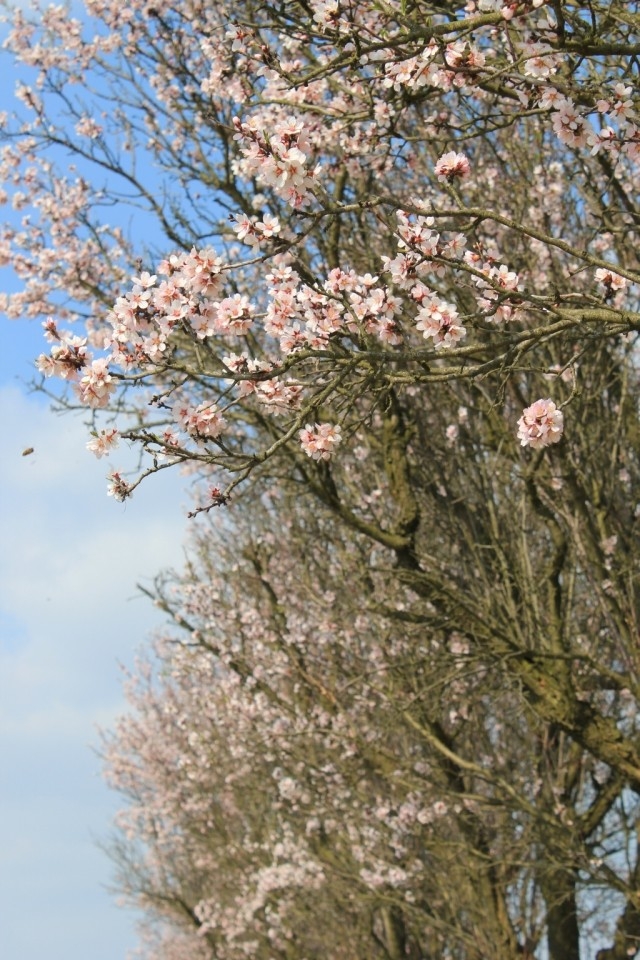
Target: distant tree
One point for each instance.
(386, 315)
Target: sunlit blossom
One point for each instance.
(320, 440)
(452, 166)
(540, 425)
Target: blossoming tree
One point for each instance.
(379, 297)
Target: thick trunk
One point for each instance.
(626, 942)
(391, 935)
(563, 935)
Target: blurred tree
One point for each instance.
(384, 312)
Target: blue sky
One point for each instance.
(69, 614)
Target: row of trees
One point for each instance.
(378, 300)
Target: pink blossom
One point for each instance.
(439, 320)
(268, 226)
(506, 278)
(605, 139)
(204, 420)
(569, 126)
(243, 227)
(452, 165)
(97, 385)
(280, 395)
(325, 12)
(67, 358)
(234, 314)
(87, 127)
(319, 440)
(540, 60)
(145, 280)
(103, 442)
(51, 333)
(118, 488)
(540, 425)
(609, 280)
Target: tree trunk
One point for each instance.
(559, 891)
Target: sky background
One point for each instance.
(70, 614)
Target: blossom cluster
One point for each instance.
(619, 137)
(204, 420)
(452, 166)
(540, 425)
(71, 360)
(280, 162)
(496, 287)
(317, 157)
(255, 232)
(301, 316)
(438, 319)
(104, 441)
(609, 281)
(382, 233)
(319, 440)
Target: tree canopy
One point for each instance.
(367, 272)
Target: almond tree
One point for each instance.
(382, 299)
(309, 774)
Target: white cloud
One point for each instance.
(68, 613)
(74, 556)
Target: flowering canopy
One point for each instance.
(379, 289)
(352, 180)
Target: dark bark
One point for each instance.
(563, 934)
